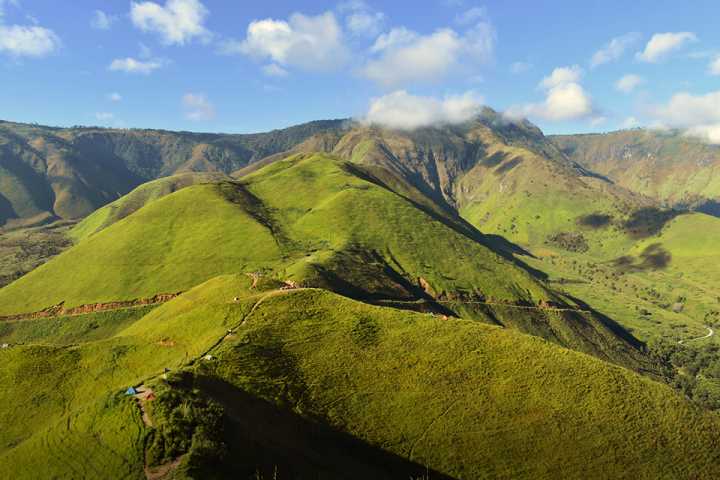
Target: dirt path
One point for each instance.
(494, 304)
(144, 395)
(710, 333)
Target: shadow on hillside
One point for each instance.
(710, 207)
(273, 442)
(649, 221)
(608, 322)
(496, 243)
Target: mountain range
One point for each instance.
(343, 300)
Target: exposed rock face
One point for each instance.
(60, 310)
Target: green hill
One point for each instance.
(318, 222)
(49, 173)
(666, 165)
(313, 384)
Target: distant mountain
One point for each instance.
(666, 165)
(66, 173)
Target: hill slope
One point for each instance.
(668, 166)
(316, 221)
(48, 173)
(310, 383)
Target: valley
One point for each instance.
(392, 297)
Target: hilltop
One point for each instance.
(316, 221)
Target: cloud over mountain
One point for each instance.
(404, 111)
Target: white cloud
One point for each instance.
(27, 41)
(629, 82)
(565, 98)
(708, 133)
(197, 107)
(561, 76)
(307, 42)
(629, 122)
(114, 97)
(403, 111)
(274, 70)
(662, 44)
(101, 20)
(404, 56)
(177, 23)
(360, 19)
(714, 66)
(132, 65)
(520, 67)
(697, 115)
(614, 49)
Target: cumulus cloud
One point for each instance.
(361, 19)
(662, 44)
(714, 66)
(27, 41)
(114, 97)
(629, 82)
(312, 43)
(101, 20)
(403, 56)
(565, 98)
(404, 111)
(197, 107)
(177, 23)
(697, 115)
(561, 76)
(132, 65)
(614, 49)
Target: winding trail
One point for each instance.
(710, 333)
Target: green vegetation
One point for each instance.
(49, 173)
(74, 329)
(669, 166)
(313, 383)
(340, 229)
(23, 250)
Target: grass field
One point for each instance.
(316, 221)
(307, 370)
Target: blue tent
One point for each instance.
(131, 391)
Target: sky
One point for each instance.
(241, 66)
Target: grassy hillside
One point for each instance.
(316, 221)
(311, 383)
(137, 198)
(49, 173)
(668, 166)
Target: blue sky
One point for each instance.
(217, 65)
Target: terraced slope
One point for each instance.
(389, 393)
(315, 221)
